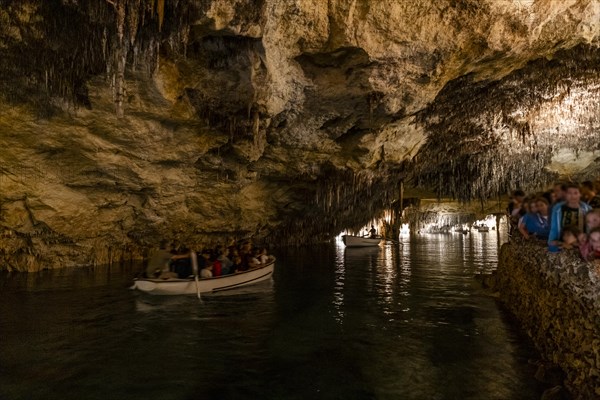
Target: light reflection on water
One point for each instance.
(390, 322)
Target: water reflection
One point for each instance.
(389, 322)
(416, 300)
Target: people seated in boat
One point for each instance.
(568, 213)
(253, 259)
(245, 248)
(236, 266)
(373, 232)
(204, 258)
(226, 263)
(245, 264)
(217, 269)
(264, 257)
(159, 261)
(181, 263)
(232, 252)
(206, 272)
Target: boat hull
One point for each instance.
(208, 285)
(357, 241)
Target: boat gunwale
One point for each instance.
(236, 285)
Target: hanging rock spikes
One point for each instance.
(160, 10)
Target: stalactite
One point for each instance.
(160, 10)
(504, 135)
(87, 38)
(133, 14)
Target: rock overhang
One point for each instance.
(290, 118)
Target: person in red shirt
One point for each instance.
(217, 267)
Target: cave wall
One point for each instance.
(555, 298)
(123, 121)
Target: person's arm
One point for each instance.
(523, 228)
(554, 235)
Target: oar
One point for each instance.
(195, 269)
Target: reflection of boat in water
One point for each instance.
(359, 241)
(361, 251)
(208, 285)
(439, 229)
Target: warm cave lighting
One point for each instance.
(387, 216)
(489, 221)
(431, 228)
(569, 112)
(405, 231)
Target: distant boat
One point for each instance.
(483, 228)
(461, 230)
(207, 285)
(359, 241)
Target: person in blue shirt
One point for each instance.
(535, 223)
(570, 212)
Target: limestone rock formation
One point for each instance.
(126, 121)
(555, 298)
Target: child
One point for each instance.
(570, 212)
(206, 272)
(591, 249)
(592, 220)
(264, 257)
(569, 239)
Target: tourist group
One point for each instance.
(566, 217)
(212, 262)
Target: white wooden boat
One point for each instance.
(208, 285)
(359, 241)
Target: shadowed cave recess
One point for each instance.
(123, 122)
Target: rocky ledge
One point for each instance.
(555, 296)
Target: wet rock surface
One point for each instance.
(556, 299)
(123, 122)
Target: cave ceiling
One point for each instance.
(124, 121)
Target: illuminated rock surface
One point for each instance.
(122, 122)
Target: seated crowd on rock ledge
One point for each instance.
(566, 217)
(212, 262)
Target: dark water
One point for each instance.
(384, 323)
